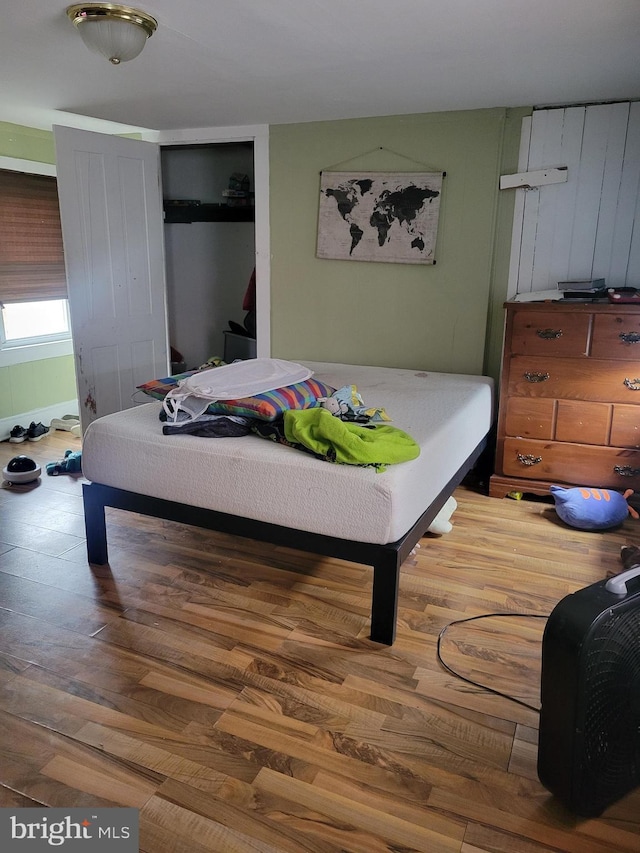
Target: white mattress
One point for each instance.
(447, 414)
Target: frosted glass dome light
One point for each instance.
(116, 32)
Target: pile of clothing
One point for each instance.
(340, 428)
(328, 437)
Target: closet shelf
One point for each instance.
(207, 213)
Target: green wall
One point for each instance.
(26, 143)
(36, 384)
(436, 317)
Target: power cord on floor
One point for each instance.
(469, 680)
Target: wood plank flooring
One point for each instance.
(229, 691)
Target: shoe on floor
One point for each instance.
(65, 422)
(36, 431)
(17, 434)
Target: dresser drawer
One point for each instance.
(546, 333)
(574, 421)
(582, 422)
(625, 426)
(578, 464)
(573, 379)
(617, 336)
(529, 418)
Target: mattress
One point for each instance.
(447, 415)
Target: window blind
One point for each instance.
(31, 253)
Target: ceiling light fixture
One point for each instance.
(117, 32)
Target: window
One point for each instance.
(33, 287)
(23, 323)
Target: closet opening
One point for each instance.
(209, 236)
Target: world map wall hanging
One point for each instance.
(379, 216)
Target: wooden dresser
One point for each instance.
(569, 398)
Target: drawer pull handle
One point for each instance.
(549, 334)
(630, 337)
(528, 459)
(626, 470)
(536, 377)
(633, 384)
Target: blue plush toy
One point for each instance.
(71, 464)
(592, 509)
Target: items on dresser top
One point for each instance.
(569, 398)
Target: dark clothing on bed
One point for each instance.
(211, 426)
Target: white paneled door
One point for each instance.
(588, 227)
(112, 226)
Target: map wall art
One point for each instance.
(379, 216)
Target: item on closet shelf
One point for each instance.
(592, 509)
(442, 523)
(21, 470)
(238, 194)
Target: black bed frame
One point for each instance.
(385, 559)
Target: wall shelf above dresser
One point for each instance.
(569, 398)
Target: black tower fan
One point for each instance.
(589, 747)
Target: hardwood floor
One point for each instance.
(229, 691)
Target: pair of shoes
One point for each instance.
(65, 422)
(36, 431)
(18, 434)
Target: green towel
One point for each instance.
(346, 442)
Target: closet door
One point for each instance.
(112, 227)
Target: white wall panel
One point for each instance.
(603, 257)
(626, 235)
(586, 227)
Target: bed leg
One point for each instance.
(384, 605)
(95, 527)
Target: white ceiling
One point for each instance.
(237, 62)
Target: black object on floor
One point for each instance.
(589, 746)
